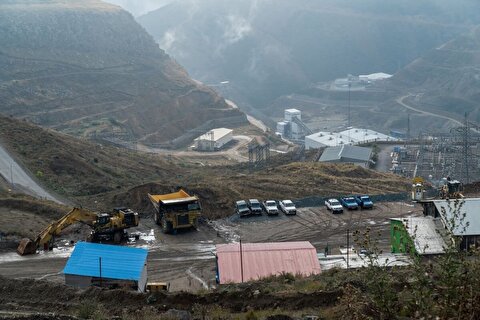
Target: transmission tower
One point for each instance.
(467, 137)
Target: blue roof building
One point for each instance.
(106, 265)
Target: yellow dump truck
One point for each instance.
(177, 210)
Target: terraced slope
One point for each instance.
(87, 68)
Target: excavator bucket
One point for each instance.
(26, 246)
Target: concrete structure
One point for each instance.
(352, 136)
(292, 127)
(349, 154)
(213, 139)
(107, 265)
(460, 216)
(292, 113)
(282, 127)
(251, 261)
(424, 234)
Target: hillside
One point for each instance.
(85, 172)
(87, 68)
(270, 48)
(78, 169)
(446, 79)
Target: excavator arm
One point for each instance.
(29, 246)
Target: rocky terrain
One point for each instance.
(87, 68)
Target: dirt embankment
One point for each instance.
(41, 296)
(24, 216)
(218, 188)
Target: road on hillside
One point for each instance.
(400, 102)
(251, 119)
(19, 179)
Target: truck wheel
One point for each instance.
(117, 237)
(166, 226)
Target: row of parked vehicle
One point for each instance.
(350, 203)
(270, 207)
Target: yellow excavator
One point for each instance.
(105, 226)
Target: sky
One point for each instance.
(139, 7)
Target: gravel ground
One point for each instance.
(187, 260)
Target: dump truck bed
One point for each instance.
(171, 198)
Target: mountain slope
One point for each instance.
(446, 79)
(87, 68)
(100, 177)
(269, 48)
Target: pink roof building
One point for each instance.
(261, 260)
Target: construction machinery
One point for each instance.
(177, 210)
(105, 227)
(451, 189)
(418, 189)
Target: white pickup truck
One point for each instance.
(270, 207)
(334, 205)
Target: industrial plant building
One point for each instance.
(351, 136)
(214, 139)
(292, 127)
(241, 262)
(93, 264)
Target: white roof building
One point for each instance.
(351, 136)
(375, 76)
(213, 139)
(365, 135)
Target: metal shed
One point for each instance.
(107, 265)
(251, 261)
(346, 153)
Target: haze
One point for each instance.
(139, 7)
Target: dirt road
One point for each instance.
(20, 179)
(400, 101)
(187, 260)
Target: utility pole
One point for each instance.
(11, 175)
(466, 151)
(349, 87)
(408, 127)
(348, 247)
(349, 116)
